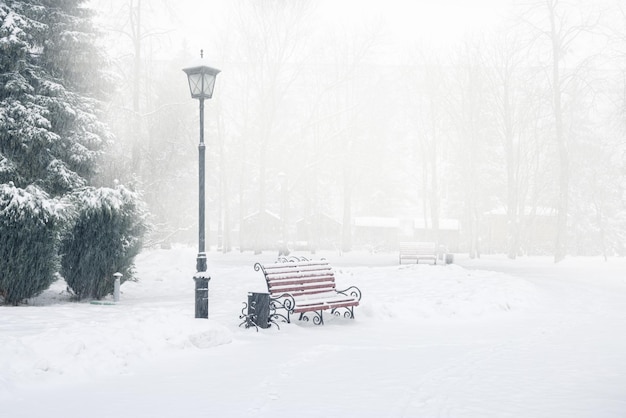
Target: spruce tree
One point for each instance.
(50, 79)
(52, 83)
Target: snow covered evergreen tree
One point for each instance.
(104, 239)
(50, 77)
(52, 81)
(29, 226)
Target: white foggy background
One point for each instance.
(359, 124)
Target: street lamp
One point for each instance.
(201, 83)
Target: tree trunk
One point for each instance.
(346, 235)
(135, 18)
(563, 194)
(434, 189)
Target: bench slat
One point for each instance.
(324, 301)
(324, 297)
(297, 275)
(295, 290)
(324, 306)
(271, 269)
(295, 280)
(278, 290)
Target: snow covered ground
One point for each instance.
(479, 338)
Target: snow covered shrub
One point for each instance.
(29, 231)
(104, 238)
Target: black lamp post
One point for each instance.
(201, 83)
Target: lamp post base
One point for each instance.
(202, 294)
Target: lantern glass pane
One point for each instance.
(208, 84)
(195, 84)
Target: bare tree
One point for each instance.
(471, 124)
(562, 25)
(271, 35)
(429, 97)
(340, 113)
(517, 107)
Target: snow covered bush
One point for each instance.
(29, 226)
(104, 238)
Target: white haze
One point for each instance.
(395, 106)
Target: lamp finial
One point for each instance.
(202, 53)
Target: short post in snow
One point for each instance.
(116, 286)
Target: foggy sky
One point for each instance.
(397, 106)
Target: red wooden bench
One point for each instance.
(302, 286)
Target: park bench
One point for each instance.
(416, 251)
(297, 285)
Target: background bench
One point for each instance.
(298, 285)
(416, 251)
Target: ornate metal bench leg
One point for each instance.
(273, 316)
(272, 322)
(318, 318)
(321, 318)
(282, 302)
(349, 312)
